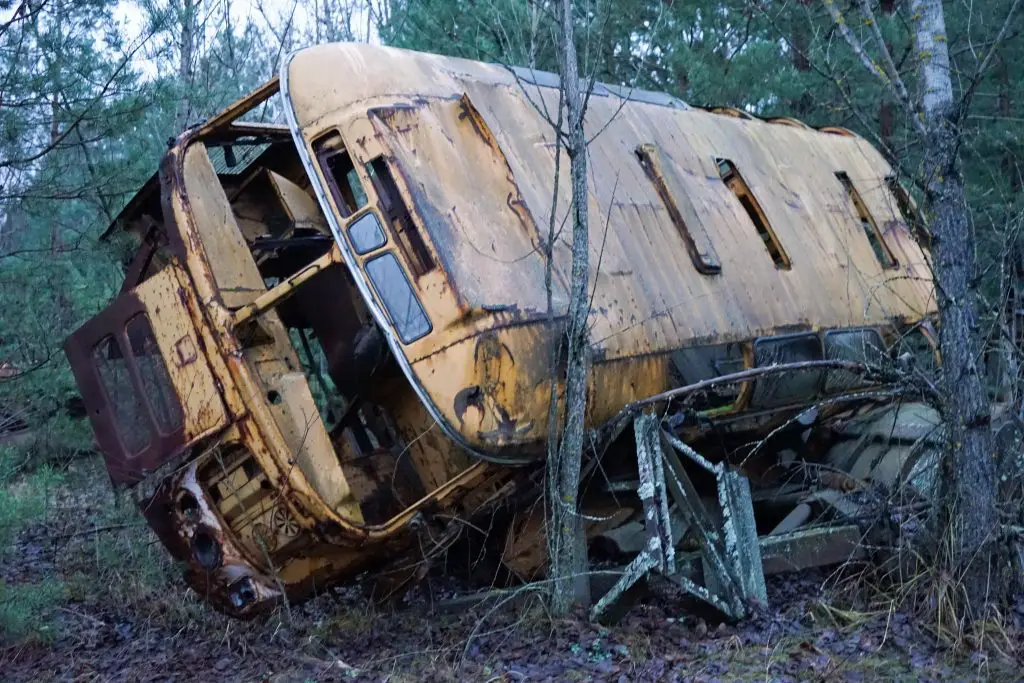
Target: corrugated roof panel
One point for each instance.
(245, 156)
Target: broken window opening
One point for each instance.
(916, 349)
(874, 235)
(149, 410)
(156, 381)
(734, 181)
(692, 365)
(329, 400)
(326, 320)
(414, 248)
(864, 346)
(908, 211)
(797, 386)
(129, 413)
(340, 172)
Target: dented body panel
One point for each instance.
(477, 162)
(346, 323)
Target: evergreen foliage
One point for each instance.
(86, 111)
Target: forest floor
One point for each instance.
(87, 594)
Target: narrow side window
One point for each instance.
(417, 254)
(732, 178)
(910, 215)
(130, 418)
(366, 234)
(874, 235)
(338, 168)
(398, 297)
(662, 176)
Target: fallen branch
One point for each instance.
(734, 378)
(94, 530)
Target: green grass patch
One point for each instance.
(26, 610)
(24, 495)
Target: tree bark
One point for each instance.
(800, 38)
(566, 542)
(1012, 156)
(967, 514)
(186, 64)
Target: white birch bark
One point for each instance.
(968, 514)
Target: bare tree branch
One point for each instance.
(896, 86)
(979, 74)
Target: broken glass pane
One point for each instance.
(129, 413)
(156, 382)
(796, 386)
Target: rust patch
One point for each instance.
(467, 112)
(466, 398)
(494, 364)
(186, 350)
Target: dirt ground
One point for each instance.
(92, 597)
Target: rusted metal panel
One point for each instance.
(485, 235)
(677, 201)
(812, 548)
(301, 209)
(237, 278)
(143, 373)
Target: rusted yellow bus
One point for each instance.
(333, 342)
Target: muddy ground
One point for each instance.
(90, 596)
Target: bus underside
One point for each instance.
(241, 385)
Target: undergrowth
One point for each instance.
(68, 547)
(25, 493)
(25, 608)
(906, 584)
(84, 577)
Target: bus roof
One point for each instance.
(489, 188)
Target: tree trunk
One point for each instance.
(566, 542)
(800, 39)
(186, 63)
(1012, 157)
(968, 495)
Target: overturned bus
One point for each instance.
(332, 354)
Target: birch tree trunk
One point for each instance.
(565, 533)
(968, 500)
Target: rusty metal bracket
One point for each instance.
(277, 294)
(731, 558)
